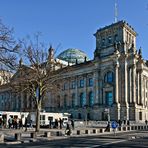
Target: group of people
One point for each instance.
(11, 123)
(15, 123)
(60, 123)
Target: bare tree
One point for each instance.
(40, 75)
(8, 48)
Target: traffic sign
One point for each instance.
(114, 124)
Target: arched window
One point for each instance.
(82, 99)
(73, 100)
(91, 98)
(108, 78)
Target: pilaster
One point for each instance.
(116, 83)
(134, 84)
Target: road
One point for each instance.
(123, 140)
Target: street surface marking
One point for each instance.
(108, 143)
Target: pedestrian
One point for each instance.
(146, 122)
(120, 122)
(50, 123)
(1, 122)
(56, 123)
(68, 130)
(26, 121)
(20, 123)
(9, 122)
(61, 123)
(107, 127)
(72, 124)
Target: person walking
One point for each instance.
(68, 130)
(26, 121)
(72, 124)
(61, 123)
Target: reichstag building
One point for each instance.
(111, 86)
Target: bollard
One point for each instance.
(17, 136)
(101, 130)
(94, 131)
(120, 128)
(1, 138)
(33, 135)
(128, 128)
(87, 132)
(78, 132)
(47, 134)
(58, 133)
(124, 128)
(136, 127)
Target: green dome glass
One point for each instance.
(70, 55)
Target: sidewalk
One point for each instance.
(54, 134)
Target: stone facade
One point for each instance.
(112, 86)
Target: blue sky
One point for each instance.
(72, 23)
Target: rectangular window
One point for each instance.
(109, 98)
(42, 117)
(73, 84)
(81, 83)
(90, 81)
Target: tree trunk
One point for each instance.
(37, 119)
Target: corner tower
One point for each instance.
(118, 35)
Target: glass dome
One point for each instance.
(70, 55)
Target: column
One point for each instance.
(138, 97)
(117, 85)
(95, 79)
(125, 83)
(130, 86)
(85, 90)
(134, 84)
(140, 88)
(76, 97)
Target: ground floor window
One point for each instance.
(91, 99)
(109, 98)
(82, 100)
